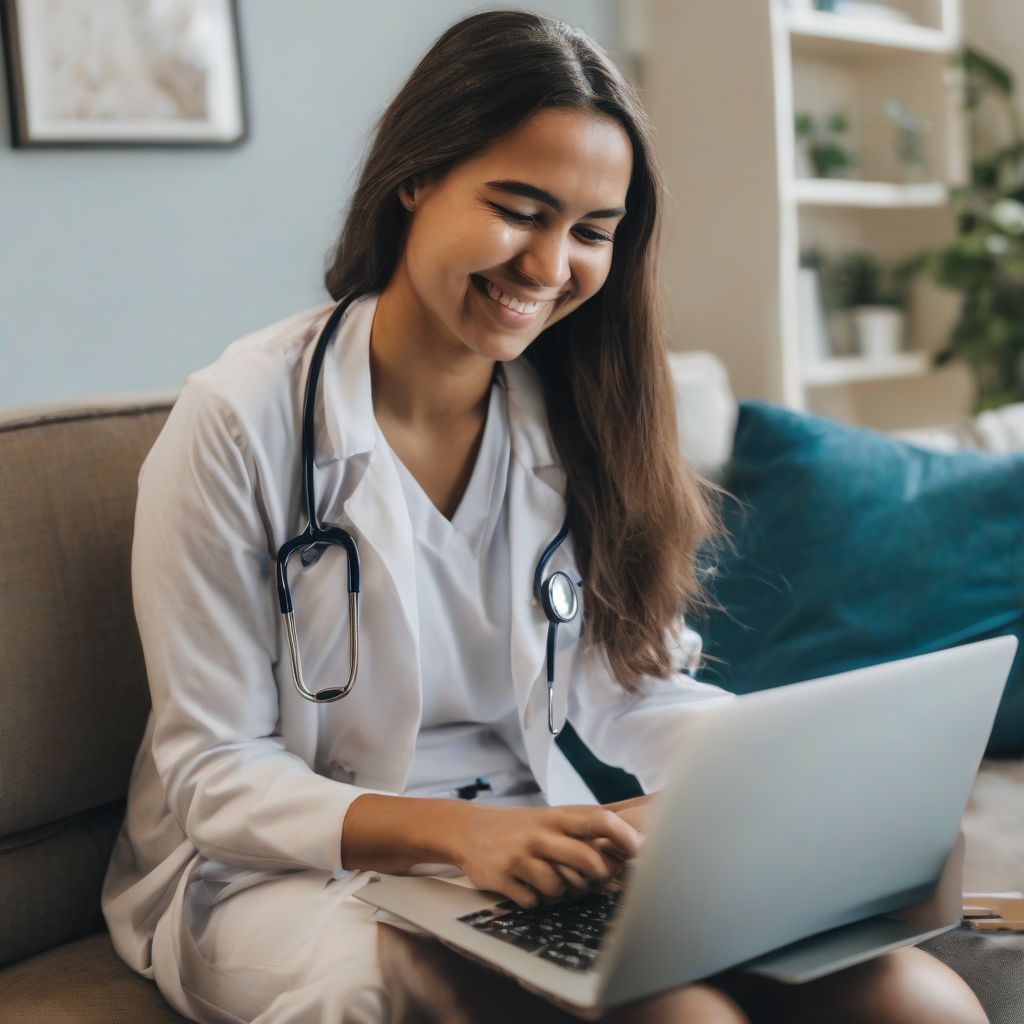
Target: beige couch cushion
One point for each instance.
(83, 982)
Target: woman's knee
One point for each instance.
(907, 986)
(913, 987)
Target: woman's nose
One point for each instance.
(546, 260)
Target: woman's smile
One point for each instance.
(510, 311)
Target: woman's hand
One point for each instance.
(531, 853)
(634, 811)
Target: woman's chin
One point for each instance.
(502, 349)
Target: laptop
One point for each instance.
(803, 829)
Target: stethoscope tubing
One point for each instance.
(316, 535)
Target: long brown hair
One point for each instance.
(639, 514)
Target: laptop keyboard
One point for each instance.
(568, 933)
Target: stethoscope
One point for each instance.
(557, 593)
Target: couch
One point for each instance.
(74, 700)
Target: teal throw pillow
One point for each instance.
(852, 548)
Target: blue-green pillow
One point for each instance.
(852, 548)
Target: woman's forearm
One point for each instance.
(634, 810)
(392, 833)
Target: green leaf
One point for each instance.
(959, 268)
(837, 122)
(988, 71)
(1012, 266)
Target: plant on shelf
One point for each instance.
(909, 141)
(821, 141)
(875, 295)
(985, 260)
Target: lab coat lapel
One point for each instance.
(375, 511)
(375, 505)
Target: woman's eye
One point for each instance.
(593, 237)
(519, 218)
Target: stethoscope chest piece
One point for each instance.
(561, 603)
(559, 598)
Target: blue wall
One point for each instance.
(127, 269)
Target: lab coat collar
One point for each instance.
(344, 421)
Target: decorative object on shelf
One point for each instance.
(149, 72)
(812, 325)
(909, 141)
(985, 261)
(820, 141)
(874, 295)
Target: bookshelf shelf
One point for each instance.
(850, 369)
(868, 194)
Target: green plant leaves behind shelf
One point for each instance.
(985, 260)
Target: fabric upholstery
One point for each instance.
(992, 963)
(50, 880)
(73, 692)
(72, 677)
(83, 982)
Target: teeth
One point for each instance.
(510, 300)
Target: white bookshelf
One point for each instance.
(723, 82)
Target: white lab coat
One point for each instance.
(238, 778)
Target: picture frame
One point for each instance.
(124, 74)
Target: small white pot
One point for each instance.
(879, 330)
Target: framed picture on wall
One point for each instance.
(124, 72)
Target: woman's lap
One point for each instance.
(299, 948)
(290, 948)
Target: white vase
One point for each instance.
(879, 330)
(811, 324)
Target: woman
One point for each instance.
(499, 350)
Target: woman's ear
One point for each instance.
(407, 193)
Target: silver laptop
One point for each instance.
(804, 829)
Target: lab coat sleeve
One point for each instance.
(636, 731)
(203, 591)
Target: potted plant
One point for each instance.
(822, 144)
(985, 261)
(874, 295)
